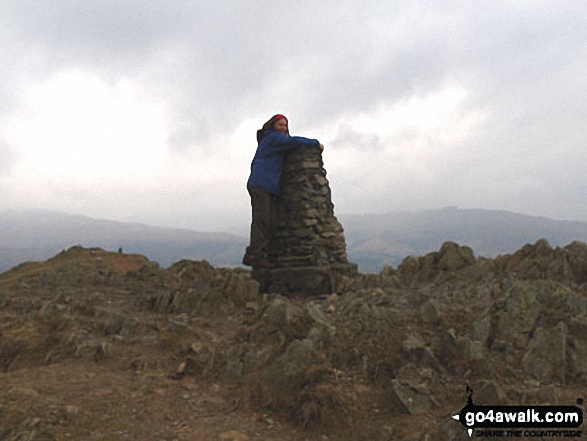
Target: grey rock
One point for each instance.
(480, 329)
(239, 289)
(544, 395)
(451, 430)
(545, 358)
(280, 313)
(112, 322)
(453, 257)
(518, 316)
(234, 368)
(471, 349)
(321, 336)
(577, 349)
(489, 393)
(387, 433)
(413, 343)
(315, 311)
(285, 376)
(408, 400)
(429, 313)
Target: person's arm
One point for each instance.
(281, 143)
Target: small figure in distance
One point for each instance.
(263, 185)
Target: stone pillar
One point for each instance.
(308, 244)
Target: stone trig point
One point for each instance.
(308, 244)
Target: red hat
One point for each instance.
(268, 124)
(274, 119)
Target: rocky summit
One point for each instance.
(96, 345)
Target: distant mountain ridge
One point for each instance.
(373, 240)
(377, 239)
(39, 234)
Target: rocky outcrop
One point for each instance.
(198, 286)
(436, 324)
(396, 349)
(540, 261)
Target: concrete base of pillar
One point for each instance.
(345, 269)
(305, 280)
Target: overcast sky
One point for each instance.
(146, 110)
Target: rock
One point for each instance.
(450, 337)
(450, 258)
(554, 295)
(101, 351)
(242, 360)
(545, 395)
(480, 329)
(409, 400)
(280, 314)
(113, 322)
(413, 343)
(548, 395)
(408, 268)
(429, 313)
(196, 348)
(577, 349)
(255, 359)
(192, 272)
(489, 393)
(471, 349)
(417, 378)
(518, 316)
(321, 336)
(417, 351)
(576, 253)
(239, 289)
(315, 312)
(252, 308)
(540, 261)
(387, 433)
(545, 358)
(180, 371)
(234, 368)
(451, 430)
(453, 257)
(285, 377)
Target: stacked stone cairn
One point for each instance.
(308, 244)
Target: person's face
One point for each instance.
(280, 126)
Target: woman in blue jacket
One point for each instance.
(263, 184)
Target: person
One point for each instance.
(263, 184)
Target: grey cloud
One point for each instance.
(347, 137)
(228, 52)
(107, 27)
(8, 157)
(216, 63)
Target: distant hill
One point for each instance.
(372, 239)
(377, 239)
(39, 234)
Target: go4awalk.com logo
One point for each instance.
(521, 421)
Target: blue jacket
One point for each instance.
(268, 161)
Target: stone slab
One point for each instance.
(296, 280)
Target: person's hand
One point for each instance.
(321, 147)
